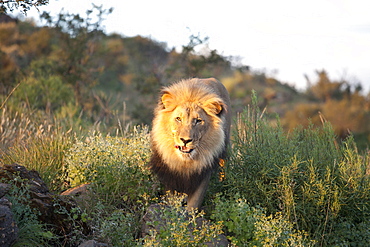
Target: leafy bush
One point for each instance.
(116, 227)
(38, 89)
(115, 166)
(121, 183)
(177, 226)
(249, 226)
(314, 181)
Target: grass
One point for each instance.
(301, 188)
(39, 147)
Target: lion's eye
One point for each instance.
(198, 121)
(178, 119)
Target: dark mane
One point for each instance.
(175, 181)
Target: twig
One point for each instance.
(2, 105)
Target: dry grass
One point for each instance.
(18, 128)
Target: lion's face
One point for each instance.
(188, 128)
(189, 125)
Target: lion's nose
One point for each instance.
(185, 141)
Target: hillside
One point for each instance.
(71, 70)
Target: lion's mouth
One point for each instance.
(184, 149)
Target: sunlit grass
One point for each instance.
(302, 188)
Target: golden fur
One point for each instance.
(191, 129)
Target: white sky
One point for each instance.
(288, 36)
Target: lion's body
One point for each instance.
(191, 131)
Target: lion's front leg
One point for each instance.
(195, 199)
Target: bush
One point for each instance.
(116, 227)
(177, 226)
(38, 90)
(314, 181)
(121, 183)
(115, 166)
(250, 226)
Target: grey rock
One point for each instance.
(92, 243)
(8, 227)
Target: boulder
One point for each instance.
(58, 212)
(8, 227)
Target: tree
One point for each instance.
(39, 88)
(77, 37)
(192, 63)
(338, 102)
(25, 5)
(326, 89)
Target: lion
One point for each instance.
(190, 136)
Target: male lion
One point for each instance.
(191, 132)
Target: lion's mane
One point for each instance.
(212, 99)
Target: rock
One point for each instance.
(4, 188)
(9, 172)
(92, 243)
(81, 194)
(154, 214)
(77, 191)
(8, 227)
(58, 212)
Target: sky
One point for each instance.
(287, 38)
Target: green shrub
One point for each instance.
(116, 227)
(177, 226)
(42, 89)
(120, 181)
(307, 175)
(115, 166)
(260, 150)
(250, 226)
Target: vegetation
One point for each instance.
(32, 232)
(24, 5)
(318, 184)
(179, 227)
(76, 105)
(250, 226)
(301, 188)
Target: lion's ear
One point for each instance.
(214, 108)
(167, 100)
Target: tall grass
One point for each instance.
(37, 146)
